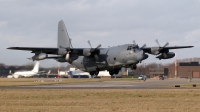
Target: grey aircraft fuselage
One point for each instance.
(112, 58)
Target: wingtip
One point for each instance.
(12, 47)
(9, 48)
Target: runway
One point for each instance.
(148, 84)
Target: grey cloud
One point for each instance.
(109, 22)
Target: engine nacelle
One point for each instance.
(154, 50)
(40, 56)
(70, 59)
(86, 52)
(166, 55)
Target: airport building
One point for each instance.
(184, 70)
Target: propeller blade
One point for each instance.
(96, 57)
(166, 44)
(134, 42)
(70, 40)
(144, 46)
(98, 46)
(165, 55)
(67, 56)
(89, 43)
(157, 42)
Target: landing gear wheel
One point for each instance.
(116, 72)
(91, 73)
(111, 73)
(133, 67)
(96, 73)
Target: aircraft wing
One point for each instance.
(36, 49)
(78, 51)
(148, 49)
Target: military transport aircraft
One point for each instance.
(97, 59)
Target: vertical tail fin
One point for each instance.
(63, 37)
(10, 72)
(49, 72)
(36, 67)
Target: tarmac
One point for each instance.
(148, 84)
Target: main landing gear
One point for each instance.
(133, 67)
(114, 72)
(94, 73)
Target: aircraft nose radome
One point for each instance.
(141, 56)
(145, 56)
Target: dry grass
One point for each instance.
(99, 100)
(48, 81)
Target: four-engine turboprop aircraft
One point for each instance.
(97, 59)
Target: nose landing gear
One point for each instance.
(133, 67)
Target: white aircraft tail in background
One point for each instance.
(49, 72)
(26, 73)
(36, 67)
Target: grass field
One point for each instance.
(94, 100)
(47, 81)
(99, 100)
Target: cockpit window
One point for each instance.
(133, 48)
(129, 47)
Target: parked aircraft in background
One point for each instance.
(94, 60)
(26, 73)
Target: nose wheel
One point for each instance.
(111, 73)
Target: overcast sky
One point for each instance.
(33, 23)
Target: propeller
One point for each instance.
(93, 50)
(136, 44)
(91, 45)
(161, 48)
(68, 49)
(67, 55)
(70, 40)
(143, 46)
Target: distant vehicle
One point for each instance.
(161, 77)
(142, 77)
(26, 73)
